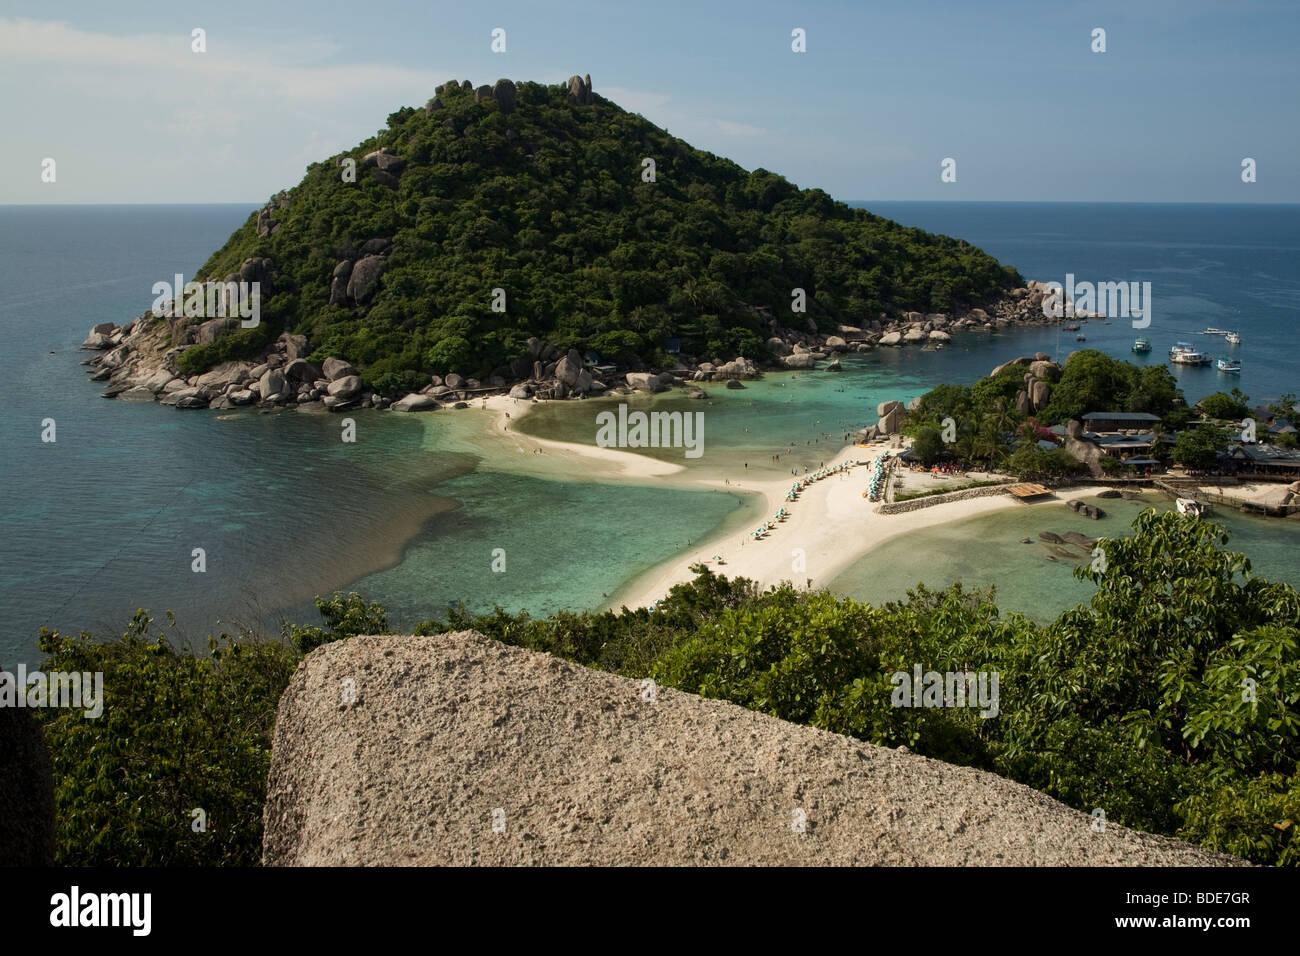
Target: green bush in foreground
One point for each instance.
(1170, 701)
(179, 733)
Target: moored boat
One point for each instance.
(1234, 338)
(1190, 507)
(1184, 354)
(1231, 366)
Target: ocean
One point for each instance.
(107, 518)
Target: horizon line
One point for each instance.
(959, 202)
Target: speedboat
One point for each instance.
(1231, 366)
(1190, 507)
(1234, 338)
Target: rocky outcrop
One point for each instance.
(800, 360)
(580, 90)
(458, 750)
(415, 402)
(345, 387)
(891, 417)
(272, 387)
(1082, 449)
(571, 375)
(335, 368)
(364, 277)
(384, 159)
(645, 382)
(268, 223)
(504, 92)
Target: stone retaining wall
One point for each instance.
(916, 504)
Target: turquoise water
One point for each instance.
(105, 520)
(791, 414)
(1031, 578)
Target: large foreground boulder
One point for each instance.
(458, 750)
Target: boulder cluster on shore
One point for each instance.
(140, 360)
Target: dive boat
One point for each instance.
(1189, 357)
(1234, 338)
(1142, 345)
(1231, 366)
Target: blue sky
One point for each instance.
(1011, 90)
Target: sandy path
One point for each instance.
(603, 462)
(831, 523)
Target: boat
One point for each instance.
(1190, 507)
(1142, 345)
(1234, 338)
(1072, 327)
(1081, 338)
(1214, 331)
(1180, 347)
(1189, 357)
(1231, 366)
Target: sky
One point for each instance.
(1013, 92)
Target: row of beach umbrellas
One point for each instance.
(801, 484)
(876, 483)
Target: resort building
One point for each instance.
(1266, 461)
(1125, 446)
(1109, 422)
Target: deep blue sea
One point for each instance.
(105, 519)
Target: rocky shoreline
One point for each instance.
(139, 360)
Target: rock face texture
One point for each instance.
(463, 751)
(26, 792)
(580, 90)
(1081, 448)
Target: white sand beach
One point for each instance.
(832, 523)
(603, 462)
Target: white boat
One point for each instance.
(1191, 507)
(1214, 331)
(1189, 357)
(1234, 338)
(1230, 366)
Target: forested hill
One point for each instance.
(543, 192)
